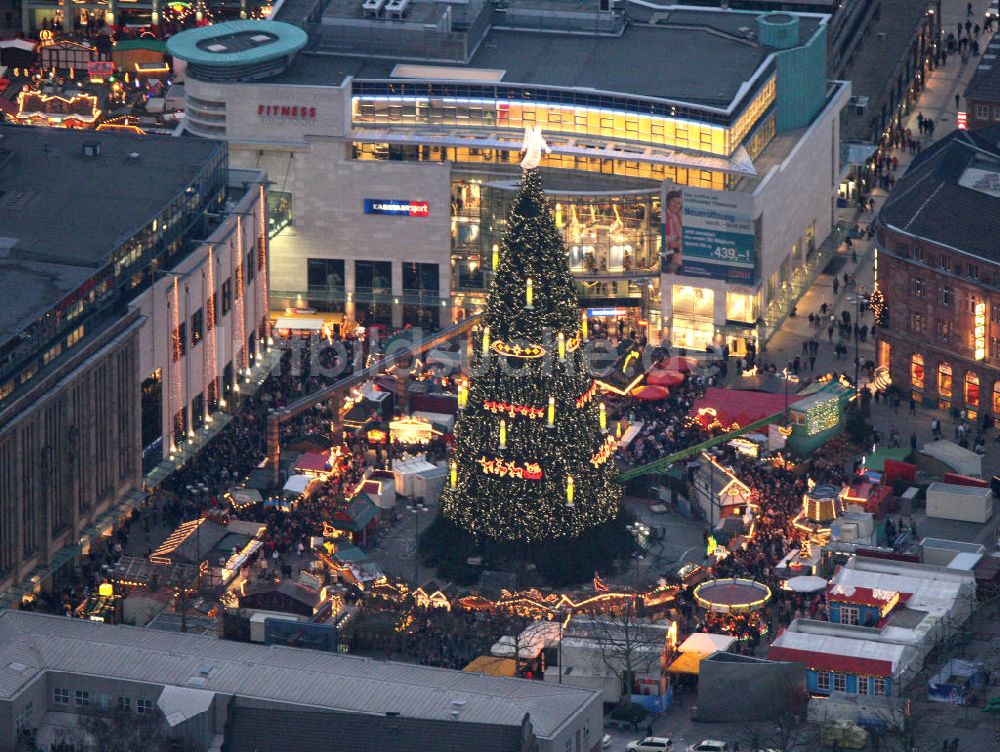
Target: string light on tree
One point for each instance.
(546, 485)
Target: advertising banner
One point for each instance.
(708, 234)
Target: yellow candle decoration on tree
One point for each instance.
(529, 292)
(604, 417)
(463, 396)
(496, 256)
(486, 340)
(583, 324)
(562, 346)
(503, 433)
(552, 411)
(454, 474)
(569, 490)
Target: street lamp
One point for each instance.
(857, 337)
(415, 508)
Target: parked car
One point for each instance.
(651, 744)
(606, 741)
(709, 745)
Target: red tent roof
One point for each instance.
(316, 462)
(842, 664)
(739, 406)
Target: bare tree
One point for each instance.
(629, 644)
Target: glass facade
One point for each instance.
(614, 167)
(560, 112)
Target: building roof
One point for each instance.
(674, 56)
(950, 194)
(62, 207)
(279, 730)
(237, 42)
(864, 596)
(35, 643)
(823, 661)
(984, 86)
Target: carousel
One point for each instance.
(732, 606)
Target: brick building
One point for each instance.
(982, 95)
(938, 265)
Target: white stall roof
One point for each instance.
(302, 325)
(965, 562)
(297, 484)
(958, 459)
(706, 642)
(442, 419)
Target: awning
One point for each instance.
(304, 325)
(857, 153)
(706, 643)
(687, 663)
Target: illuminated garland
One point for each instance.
(880, 310)
(513, 410)
(604, 453)
(573, 344)
(587, 396)
(517, 351)
(510, 469)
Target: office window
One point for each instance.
(421, 279)
(82, 698)
(947, 295)
(823, 681)
(918, 253)
(197, 326)
(996, 112)
(60, 696)
(124, 703)
(373, 276)
(839, 682)
(917, 323)
(325, 275)
(227, 296)
(143, 706)
(995, 349)
(879, 688)
(863, 685)
(974, 271)
(982, 112)
(995, 313)
(917, 287)
(944, 329)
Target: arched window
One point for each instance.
(971, 395)
(917, 372)
(996, 402)
(944, 386)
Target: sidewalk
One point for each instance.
(937, 101)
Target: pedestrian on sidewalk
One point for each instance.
(829, 332)
(836, 285)
(958, 99)
(968, 9)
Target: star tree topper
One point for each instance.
(533, 145)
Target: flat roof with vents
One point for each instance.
(238, 50)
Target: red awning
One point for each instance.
(682, 363)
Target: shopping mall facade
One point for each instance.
(392, 171)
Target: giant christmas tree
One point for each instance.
(532, 460)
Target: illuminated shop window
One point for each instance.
(741, 307)
(917, 372)
(971, 394)
(944, 386)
